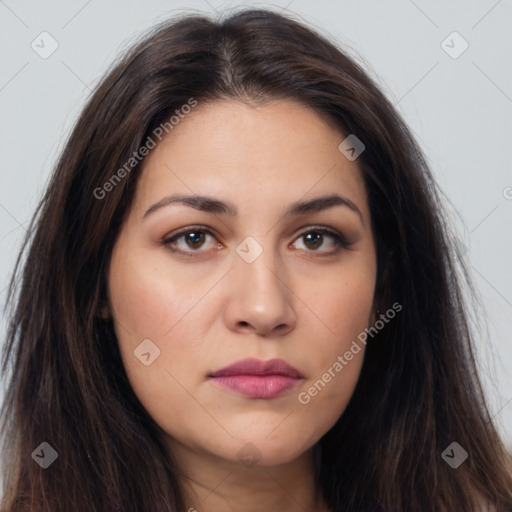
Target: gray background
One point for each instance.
(460, 110)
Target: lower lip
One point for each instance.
(255, 386)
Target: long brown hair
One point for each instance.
(418, 390)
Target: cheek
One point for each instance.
(344, 309)
(149, 297)
(337, 357)
(148, 305)
(142, 303)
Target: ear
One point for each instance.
(104, 312)
(374, 312)
(104, 303)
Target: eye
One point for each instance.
(189, 240)
(318, 237)
(195, 239)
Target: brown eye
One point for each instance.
(190, 241)
(194, 239)
(322, 240)
(313, 239)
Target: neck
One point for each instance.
(212, 484)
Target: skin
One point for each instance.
(300, 300)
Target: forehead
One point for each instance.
(281, 151)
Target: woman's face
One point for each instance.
(255, 271)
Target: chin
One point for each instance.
(273, 450)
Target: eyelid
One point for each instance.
(342, 241)
(188, 229)
(168, 239)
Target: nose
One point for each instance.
(259, 298)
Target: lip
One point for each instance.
(257, 379)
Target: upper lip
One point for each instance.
(253, 366)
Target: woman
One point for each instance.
(239, 294)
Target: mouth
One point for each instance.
(257, 379)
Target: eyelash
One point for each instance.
(341, 241)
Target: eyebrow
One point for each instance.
(211, 205)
